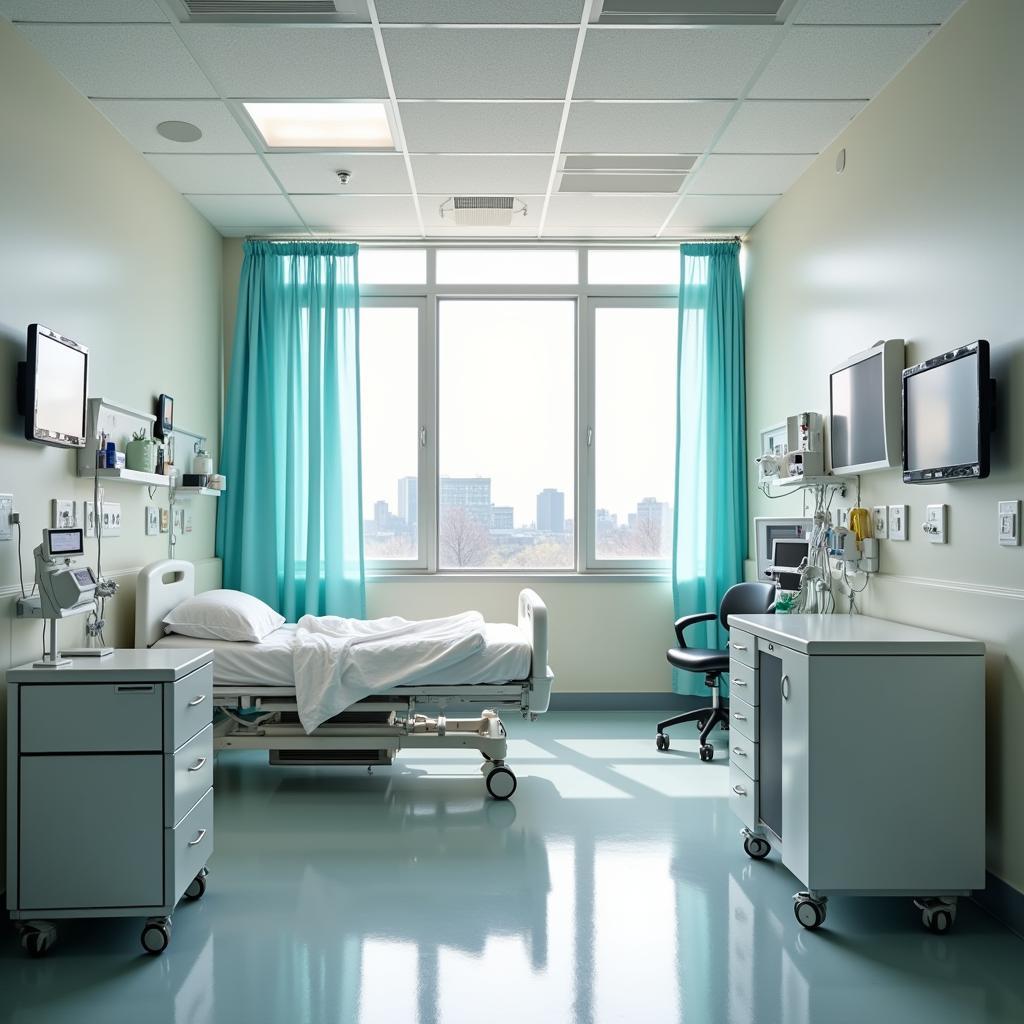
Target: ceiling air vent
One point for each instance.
(692, 12)
(482, 211)
(272, 11)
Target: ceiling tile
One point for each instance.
(876, 12)
(136, 120)
(480, 63)
(642, 127)
(478, 12)
(593, 216)
(359, 215)
(732, 214)
(522, 224)
(243, 215)
(786, 126)
(481, 127)
(317, 172)
(207, 174)
(289, 62)
(482, 175)
(82, 10)
(590, 182)
(120, 60)
(837, 63)
(670, 63)
(758, 174)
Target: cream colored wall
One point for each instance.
(919, 238)
(96, 245)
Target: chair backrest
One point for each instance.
(746, 599)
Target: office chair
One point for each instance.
(741, 599)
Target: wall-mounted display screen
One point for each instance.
(56, 388)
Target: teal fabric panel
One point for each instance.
(710, 536)
(289, 526)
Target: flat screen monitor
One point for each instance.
(787, 556)
(947, 416)
(56, 388)
(64, 543)
(864, 403)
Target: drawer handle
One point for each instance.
(739, 790)
(200, 836)
(739, 751)
(739, 682)
(197, 700)
(139, 688)
(785, 687)
(739, 717)
(199, 764)
(738, 647)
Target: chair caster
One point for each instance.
(156, 935)
(937, 915)
(810, 912)
(701, 722)
(501, 782)
(755, 847)
(661, 741)
(707, 752)
(37, 937)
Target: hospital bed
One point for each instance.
(255, 691)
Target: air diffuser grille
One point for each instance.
(482, 211)
(264, 10)
(692, 12)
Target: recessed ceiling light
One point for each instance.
(322, 125)
(179, 131)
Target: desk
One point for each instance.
(109, 790)
(857, 749)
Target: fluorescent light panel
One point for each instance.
(322, 125)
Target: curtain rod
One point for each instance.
(591, 243)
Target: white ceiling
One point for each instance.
(486, 97)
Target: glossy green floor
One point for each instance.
(612, 888)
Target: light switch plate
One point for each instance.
(1009, 523)
(152, 520)
(6, 509)
(935, 523)
(62, 513)
(898, 521)
(880, 522)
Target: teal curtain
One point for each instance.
(289, 526)
(710, 537)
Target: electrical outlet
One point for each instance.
(152, 520)
(880, 522)
(188, 519)
(164, 520)
(62, 513)
(934, 524)
(179, 520)
(111, 511)
(1009, 523)
(898, 522)
(6, 510)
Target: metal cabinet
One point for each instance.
(110, 790)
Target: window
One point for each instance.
(505, 445)
(507, 266)
(392, 266)
(634, 417)
(633, 266)
(389, 387)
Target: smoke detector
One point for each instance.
(482, 211)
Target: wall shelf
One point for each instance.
(130, 476)
(204, 492)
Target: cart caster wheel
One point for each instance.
(156, 937)
(661, 741)
(501, 782)
(938, 922)
(707, 752)
(810, 913)
(197, 887)
(756, 848)
(38, 940)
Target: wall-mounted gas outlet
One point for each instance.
(898, 521)
(880, 522)
(62, 513)
(89, 518)
(152, 520)
(934, 524)
(1009, 523)
(6, 510)
(111, 519)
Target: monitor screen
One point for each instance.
(857, 425)
(57, 389)
(65, 542)
(788, 554)
(942, 415)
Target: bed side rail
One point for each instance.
(533, 620)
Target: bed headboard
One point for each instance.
(162, 586)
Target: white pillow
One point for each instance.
(224, 615)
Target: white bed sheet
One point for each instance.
(506, 656)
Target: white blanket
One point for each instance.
(340, 661)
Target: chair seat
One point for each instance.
(698, 659)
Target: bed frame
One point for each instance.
(372, 731)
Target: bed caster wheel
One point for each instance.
(707, 752)
(661, 741)
(809, 912)
(156, 936)
(756, 848)
(38, 938)
(501, 782)
(197, 887)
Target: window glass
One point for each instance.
(634, 431)
(633, 266)
(507, 266)
(392, 266)
(388, 355)
(505, 446)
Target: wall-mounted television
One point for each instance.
(864, 409)
(54, 388)
(948, 405)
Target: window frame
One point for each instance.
(587, 298)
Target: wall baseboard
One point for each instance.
(1003, 902)
(599, 701)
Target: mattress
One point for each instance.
(506, 656)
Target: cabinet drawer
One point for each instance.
(743, 795)
(743, 717)
(188, 775)
(743, 681)
(743, 647)
(189, 846)
(743, 752)
(91, 717)
(189, 706)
